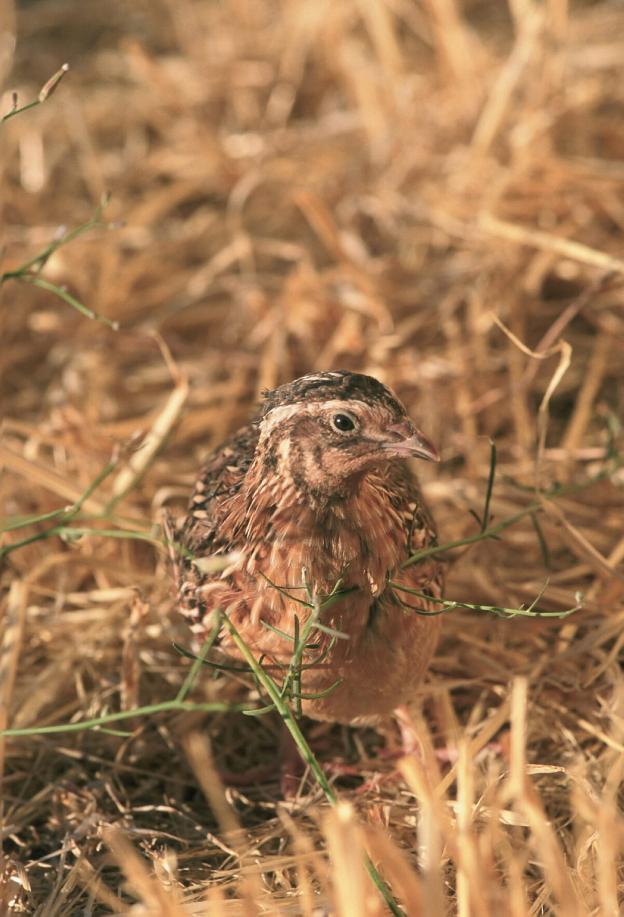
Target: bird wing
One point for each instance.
(199, 533)
(221, 477)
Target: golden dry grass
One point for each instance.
(303, 185)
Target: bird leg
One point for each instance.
(410, 742)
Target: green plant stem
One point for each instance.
(134, 534)
(29, 271)
(450, 604)
(490, 488)
(21, 522)
(148, 710)
(38, 261)
(67, 297)
(531, 510)
(307, 755)
(72, 532)
(282, 708)
(44, 93)
(66, 514)
(19, 111)
(490, 532)
(190, 679)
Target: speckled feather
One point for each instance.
(282, 492)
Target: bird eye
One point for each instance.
(344, 423)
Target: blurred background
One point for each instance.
(310, 185)
(301, 185)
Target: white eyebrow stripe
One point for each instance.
(284, 411)
(339, 404)
(278, 414)
(323, 377)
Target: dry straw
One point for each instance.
(429, 192)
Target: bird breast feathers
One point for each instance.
(359, 543)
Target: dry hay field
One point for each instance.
(429, 191)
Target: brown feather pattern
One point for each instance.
(299, 498)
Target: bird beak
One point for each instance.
(413, 444)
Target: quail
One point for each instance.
(317, 490)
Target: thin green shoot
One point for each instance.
(499, 611)
(66, 513)
(284, 592)
(191, 678)
(325, 692)
(259, 711)
(554, 492)
(296, 675)
(278, 632)
(107, 718)
(490, 487)
(30, 270)
(541, 540)
(44, 93)
(306, 753)
(68, 298)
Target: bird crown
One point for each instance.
(336, 385)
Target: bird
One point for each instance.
(315, 497)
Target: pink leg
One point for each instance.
(410, 743)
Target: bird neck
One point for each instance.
(354, 534)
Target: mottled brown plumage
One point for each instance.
(317, 488)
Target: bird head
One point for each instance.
(325, 430)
